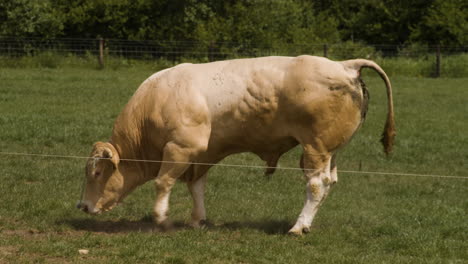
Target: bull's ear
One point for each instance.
(111, 153)
(107, 151)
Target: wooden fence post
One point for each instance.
(101, 52)
(325, 50)
(437, 69)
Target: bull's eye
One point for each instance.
(97, 174)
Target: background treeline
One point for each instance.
(254, 23)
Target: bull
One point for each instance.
(192, 116)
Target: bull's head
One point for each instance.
(104, 182)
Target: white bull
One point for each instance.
(201, 113)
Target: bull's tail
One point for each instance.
(388, 135)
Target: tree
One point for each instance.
(446, 23)
(376, 21)
(264, 25)
(30, 18)
(92, 18)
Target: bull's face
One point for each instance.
(104, 183)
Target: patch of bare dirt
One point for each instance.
(8, 250)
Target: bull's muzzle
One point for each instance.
(82, 206)
(86, 207)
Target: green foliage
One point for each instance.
(425, 66)
(415, 50)
(446, 23)
(265, 24)
(454, 66)
(378, 22)
(89, 18)
(25, 18)
(351, 50)
(411, 67)
(267, 27)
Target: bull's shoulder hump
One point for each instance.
(164, 72)
(158, 74)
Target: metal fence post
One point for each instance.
(325, 50)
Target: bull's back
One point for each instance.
(252, 103)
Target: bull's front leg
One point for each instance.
(164, 185)
(175, 162)
(317, 172)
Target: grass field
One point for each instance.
(367, 218)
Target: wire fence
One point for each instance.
(150, 49)
(242, 166)
(100, 50)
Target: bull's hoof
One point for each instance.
(299, 231)
(295, 232)
(201, 224)
(165, 226)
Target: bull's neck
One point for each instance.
(127, 138)
(134, 165)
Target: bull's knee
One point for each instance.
(316, 188)
(327, 181)
(164, 184)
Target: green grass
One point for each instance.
(367, 218)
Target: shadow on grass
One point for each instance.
(145, 225)
(271, 227)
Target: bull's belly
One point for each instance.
(267, 143)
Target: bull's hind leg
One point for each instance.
(316, 168)
(196, 187)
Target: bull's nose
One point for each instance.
(83, 207)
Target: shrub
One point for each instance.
(352, 50)
(454, 66)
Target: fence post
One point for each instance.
(211, 52)
(101, 52)
(437, 69)
(325, 50)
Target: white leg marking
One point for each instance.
(161, 208)
(318, 186)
